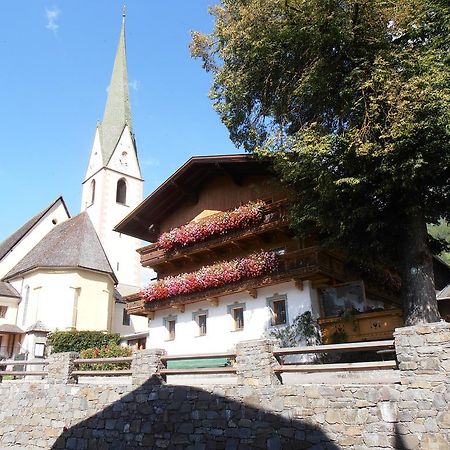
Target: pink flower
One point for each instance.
(216, 275)
(242, 217)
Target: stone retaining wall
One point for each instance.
(258, 413)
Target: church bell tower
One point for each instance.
(113, 184)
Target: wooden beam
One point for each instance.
(298, 284)
(151, 315)
(179, 308)
(214, 301)
(253, 293)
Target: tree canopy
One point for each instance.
(351, 101)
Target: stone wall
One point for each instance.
(258, 413)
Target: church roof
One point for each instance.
(117, 112)
(9, 243)
(6, 290)
(73, 243)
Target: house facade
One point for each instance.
(229, 268)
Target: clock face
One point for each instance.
(124, 159)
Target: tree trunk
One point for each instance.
(418, 292)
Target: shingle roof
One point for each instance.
(6, 290)
(73, 243)
(9, 243)
(38, 327)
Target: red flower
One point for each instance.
(242, 217)
(216, 275)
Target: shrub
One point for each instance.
(108, 351)
(76, 341)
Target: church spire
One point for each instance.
(117, 112)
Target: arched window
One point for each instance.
(121, 193)
(92, 191)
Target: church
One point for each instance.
(59, 272)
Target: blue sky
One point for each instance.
(56, 60)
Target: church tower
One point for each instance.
(113, 184)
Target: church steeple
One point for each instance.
(113, 184)
(117, 112)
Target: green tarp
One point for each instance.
(198, 363)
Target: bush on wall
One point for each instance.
(76, 341)
(109, 351)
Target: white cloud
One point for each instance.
(52, 18)
(134, 85)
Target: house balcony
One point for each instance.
(271, 229)
(313, 264)
(367, 326)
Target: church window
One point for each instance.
(121, 193)
(92, 191)
(3, 310)
(125, 318)
(25, 304)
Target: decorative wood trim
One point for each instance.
(214, 301)
(179, 308)
(252, 292)
(298, 283)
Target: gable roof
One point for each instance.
(6, 290)
(9, 243)
(183, 184)
(73, 243)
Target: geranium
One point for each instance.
(242, 217)
(220, 274)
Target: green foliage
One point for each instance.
(109, 351)
(304, 329)
(351, 102)
(441, 231)
(76, 341)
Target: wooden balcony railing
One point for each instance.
(275, 217)
(308, 264)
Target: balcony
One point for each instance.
(367, 326)
(272, 228)
(313, 264)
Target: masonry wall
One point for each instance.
(258, 413)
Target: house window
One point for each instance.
(121, 192)
(200, 319)
(278, 308)
(3, 310)
(92, 191)
(125, 317)
(169, 323)
(236, 312)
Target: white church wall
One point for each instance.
(56, 215)
(61, 300)
(221, 335)
(11, 312)
(105, 212)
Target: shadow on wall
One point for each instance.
(156, 416)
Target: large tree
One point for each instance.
(351, 101)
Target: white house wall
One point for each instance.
(220, 328)
(56, 215)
